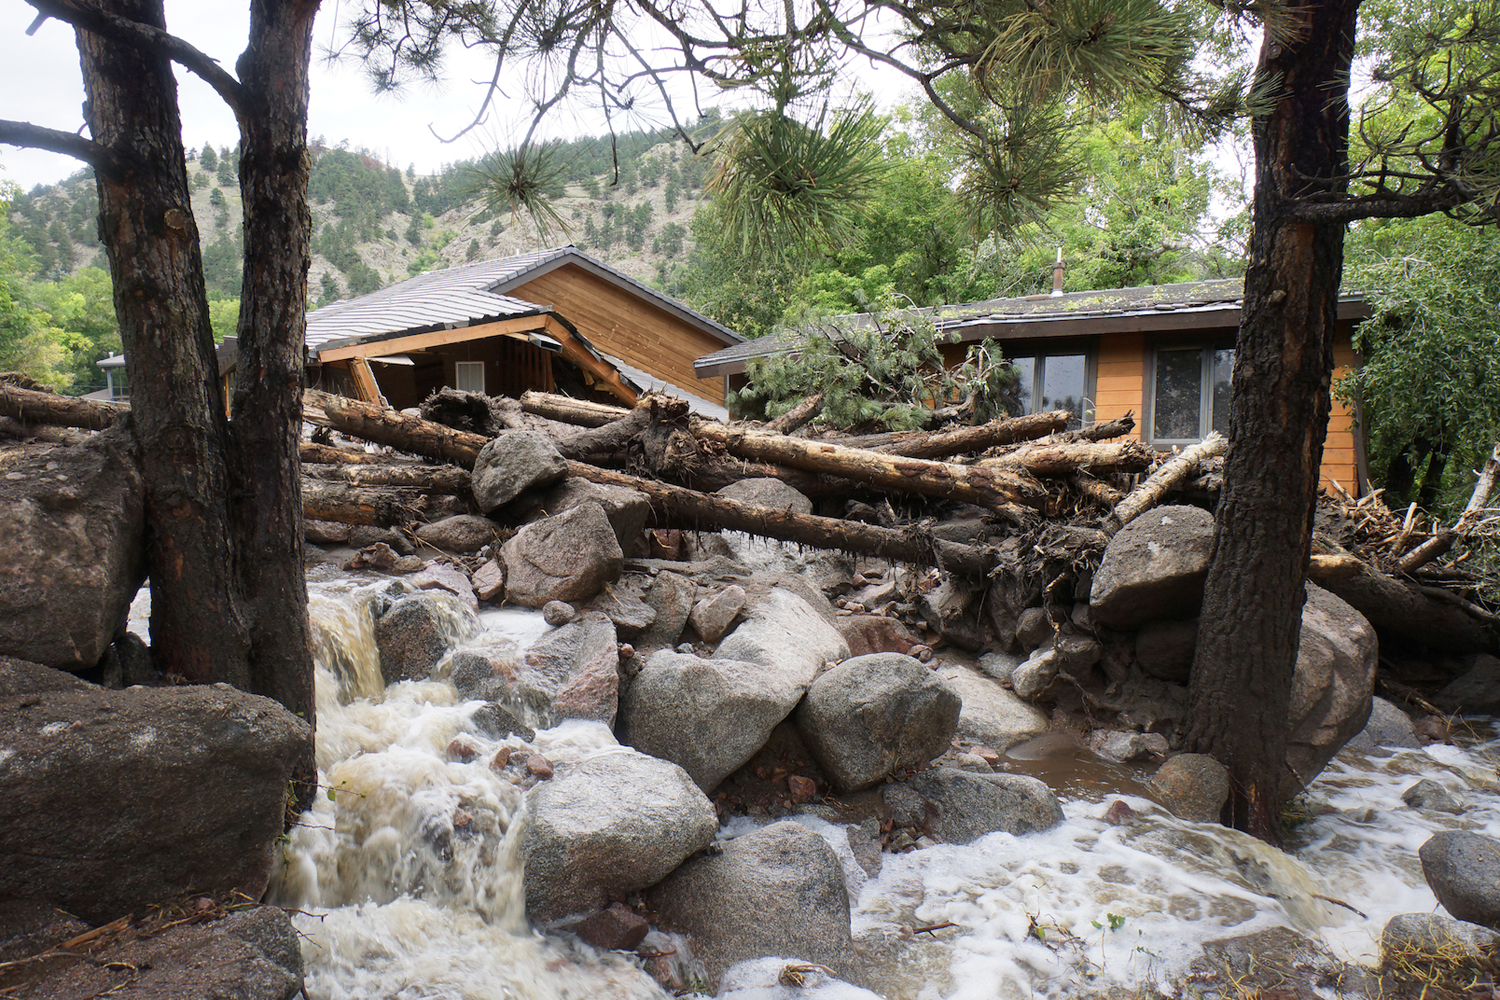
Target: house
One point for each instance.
(550, 320)
(1163, 353)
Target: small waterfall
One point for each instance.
(405, 870)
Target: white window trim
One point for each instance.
(469, 367)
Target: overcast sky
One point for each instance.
(40, 83)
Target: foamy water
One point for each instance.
(409, 884)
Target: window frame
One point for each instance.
(1206, 348)
(459, 366)
(1039, 351)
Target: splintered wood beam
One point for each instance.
(993, 490)
(601, 371)
(364, 381)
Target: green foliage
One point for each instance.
(208, 159)
(224, 316)
(524, 179)
(1430, 385)
(883, 369)
(785, 188)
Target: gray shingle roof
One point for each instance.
(1217, 298)
(469, 294)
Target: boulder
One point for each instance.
(572, 672)
(1477, 691)
(414, 633)
(459, 533)
(1033, 628)
(325, 532)
(567, 557)
(623, 605)
(252, 954)
(707, 716)
(1000, 666)
(489, 580)
(1193, 786)
(964, 806)
(1463, 871)
(445, 577)
(772, 493)
(1388, 727)
(1153, 568)
(113, 800)
(486, 673)
(776, 891)
(1165, 650)
(990, 714)
(670, 598)
(953, 612)
(783, 630)
(511, 462)
(1425, 940)
(875, 634)
(73, 520)
(362, 536)
(625, 509)
(1428, 794)
(1040, 669)
(1126, 747)
(1332, 687)
(615, 928)
(712, 616)
(873, 715)
(607, 825)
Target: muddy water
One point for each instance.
(408, 882)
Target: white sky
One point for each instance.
(40, 83)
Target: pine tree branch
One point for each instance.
(101, 158)
(81, 14)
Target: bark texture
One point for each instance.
(267, 513)
(199, 629)
(1252, 605)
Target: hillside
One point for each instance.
(375, 224)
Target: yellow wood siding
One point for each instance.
(620, 323)
(1340, 459)
(1118, 385)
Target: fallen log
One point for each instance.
(383, 425)
(797, 416)
(1402, 609)
(1164, 480)
(1118, 427)
(1098, 493)
(1052, 459)
(1444, 539)
(962, 440)
(992, 490)
(382, 508)
(327, 454)
(426, 479)
(676, 507)
(30, 406)
(582, 412)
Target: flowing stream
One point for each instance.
(408, 885)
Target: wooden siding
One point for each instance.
(620, 323)
(1340, 451)
(1119, 384)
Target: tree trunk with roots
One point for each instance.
(1252, 604)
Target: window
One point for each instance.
(1054, 382)
(468, 376)
(1190, 393)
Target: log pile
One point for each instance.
(1037, 503)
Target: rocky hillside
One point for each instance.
(376, 224)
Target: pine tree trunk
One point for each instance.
(198, 628)
(1252, 605)
(267, 513)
